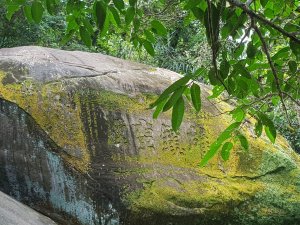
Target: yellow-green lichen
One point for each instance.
(59, 112)
(169, 195)
(51, 108)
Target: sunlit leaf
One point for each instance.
(119, 4)
(85, 37)
(225, 152)
(174, 98)
(271, 133)
(11, 10)
(251, 51)
(149, 35)
(295, 48)
(293, 66)
(177, 84)
(159, 108)
(177, 114)
(100, 14)
(238, 114)
(196, 96)
(159, 27)
(243, 141)
(37, 10)
(129, 15)
(211, 153)
(258, 128)
(149, 47)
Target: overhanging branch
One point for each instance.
(252, 14)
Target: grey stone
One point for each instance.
(13, 212)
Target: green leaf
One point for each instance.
(241, 69)
(271, 133)
(275, 100)
(211, 153)
(251, 51)
(119, 4)
(177, 84)
(11, 10)
(136, 24)
(37, 11)
(216, 91)
(289, 27)
(295, 48)
(269, 13)
(258, 128)
(149, 36)
(232, 127)
(174, 98)
(239, 51)
(282, 53)
(293, 66)
(106, 24)
(196, 96)
(129, 15)
(27, 13)
(50, 5)
(228, 132)
(263, 2)
(243, 141)
(191, 4)
(177, 114)
(200, 71)
(198, 13)
(100, 14)
(159, 27)
(159, 108)
(132, 2)
(216, 145)
(87, 25)
(269, 127)
(187, 94)
(116, 15)
(85, 37)
(149, 47)
(67, 37)
(224, 69)
(238, 114)
(225, 152)
(213, 77)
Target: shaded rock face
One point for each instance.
(78, 143)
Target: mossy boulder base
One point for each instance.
(78, 143)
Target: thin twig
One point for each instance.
(291, 97)
(252, 14)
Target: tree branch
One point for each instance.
(252, 14)
(265, 48)
(293, 99)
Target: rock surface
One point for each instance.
(15, 213)
(78, 143)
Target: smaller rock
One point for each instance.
(13, 212)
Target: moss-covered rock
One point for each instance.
(121, 165)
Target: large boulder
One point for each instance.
(78, 143)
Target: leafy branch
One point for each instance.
(252, 14)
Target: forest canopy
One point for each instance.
(249, 51)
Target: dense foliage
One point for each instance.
(253, 46)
